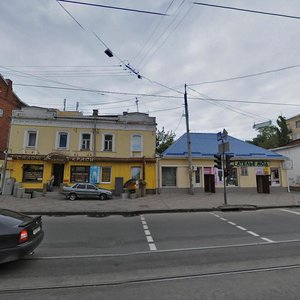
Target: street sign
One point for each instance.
(219, 136)
(224, 147)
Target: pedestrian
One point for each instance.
(51, 183)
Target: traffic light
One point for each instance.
(218, 161)
(229, 165)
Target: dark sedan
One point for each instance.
(19, 235)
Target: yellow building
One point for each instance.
(294, 125)
(106, 150)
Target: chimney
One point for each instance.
(9, 86)
(95, 112)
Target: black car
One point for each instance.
(19, 235)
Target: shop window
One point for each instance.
(106, 175)
(169, 176)
(85, 141)
(80, 173)
(62, 142)
(31, 138)
(136, 173)
(33, 173)
(107, 142)
(244, 171)
(136, 143)
(275, 177)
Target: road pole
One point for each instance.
(224, 178)
(188, 139)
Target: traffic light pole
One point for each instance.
(224, 178)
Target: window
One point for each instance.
(136, 143)
(106, 175)
(85, 141)
(297, 124)
(31, 138)
(244, 171)
(136, 173)
(62, 140)
(80, 173)
(108, 142)
(169, 176)
(33, 173)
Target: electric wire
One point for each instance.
(248, 10)
(114, 7)
(247, 76)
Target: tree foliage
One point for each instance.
(273, 136)
(164, 139)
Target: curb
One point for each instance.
(244, 207)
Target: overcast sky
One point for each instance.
(51, 56)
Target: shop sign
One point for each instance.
(81, 159)
(26, 157)
(251, 163)
(94, 174)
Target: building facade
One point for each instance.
(75, 148)
(249, 162)
(8, 101)
(292, 163)
(294, 125)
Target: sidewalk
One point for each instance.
(56, 204)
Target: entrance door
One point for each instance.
(197, 177)
(58, 172)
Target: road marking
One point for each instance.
(243, 228)
(147, 232)
(252, 233)
(290, 211)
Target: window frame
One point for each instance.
(26, 141)
(112, 142)
(110, 175)
(297, 124)
(133, 145)
(82, 140)
(58, 135)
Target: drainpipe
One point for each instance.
(95, 115)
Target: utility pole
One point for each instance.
(137, 104)
(188, 140)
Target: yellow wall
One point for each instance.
(47, 141)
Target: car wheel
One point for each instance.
(72, 197)
(103, 197)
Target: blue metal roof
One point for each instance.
(206, 145)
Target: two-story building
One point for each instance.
(293, 124)
(103, 149)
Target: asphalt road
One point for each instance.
(226, 255)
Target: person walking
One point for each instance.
(51, 183)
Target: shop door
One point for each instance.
(197, 177)
(209, 183)
(58, 172)
(263, 184)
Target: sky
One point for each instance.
(55, 50)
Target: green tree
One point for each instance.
(283, 132)
(164, 140)
(272, 136)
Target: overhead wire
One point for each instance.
(114, 7)
(248, 10)
(247, 76)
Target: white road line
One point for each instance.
(242, 228)
(252, 233)
(231, 223)
(267, 240)
(290, 211)
(149, 238)
(152, 247)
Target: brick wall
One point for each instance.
(8, 101)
